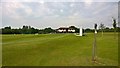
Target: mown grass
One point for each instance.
(58, 50)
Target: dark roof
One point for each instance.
(63, 28)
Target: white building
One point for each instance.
(65, 30)
(71, 30)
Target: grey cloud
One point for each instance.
(48, 14)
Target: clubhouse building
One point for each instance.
(65, 30)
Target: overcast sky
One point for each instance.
(42, 14)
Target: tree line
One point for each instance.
(25, 30)
(31, 30)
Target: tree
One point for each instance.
(102, 27)
(89, 30)
(73, 27)
(49, 30)
(76, 29)
(9, 27)
(29, 30)
(0, 31)
(7, 30)
(25, 29)
(33, 30)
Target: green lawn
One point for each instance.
(58, 50)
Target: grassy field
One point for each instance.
(59, 50)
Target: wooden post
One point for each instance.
(114, 25)
(94, 45)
